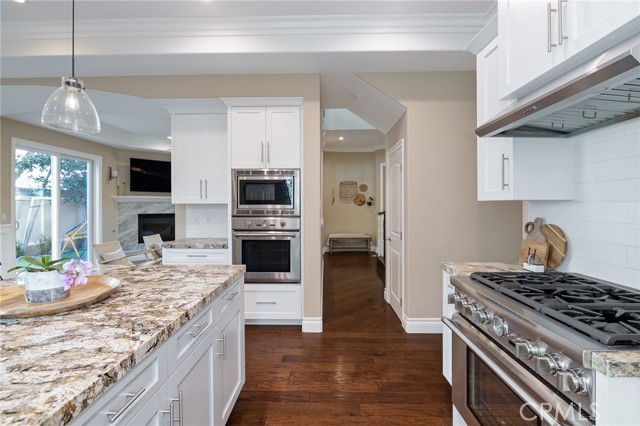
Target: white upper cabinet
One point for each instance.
(525, 169)
(541, 40)
(265, 137)
(200, 170)
(488, 83)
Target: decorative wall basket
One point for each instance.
(363, 187)
(348, 190)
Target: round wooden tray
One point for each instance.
(14, 305)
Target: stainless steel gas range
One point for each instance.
(522, 345)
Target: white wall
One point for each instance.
(603, 222)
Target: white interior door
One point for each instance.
(395, 252)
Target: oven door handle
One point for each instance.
(264, 235)
(531, 403)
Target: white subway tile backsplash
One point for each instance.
(602, 223)
(616, 233)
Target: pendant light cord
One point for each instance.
(73, 38)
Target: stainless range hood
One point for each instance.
(602, 94)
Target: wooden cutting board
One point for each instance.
(14, 305)
(539, 247)
(557, 241)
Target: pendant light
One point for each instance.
(69, 107)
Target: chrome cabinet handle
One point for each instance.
(206, 188)
(266, 303)
(134, 397)
(561, 35)
(200, 327)
(262, 152)
(224, 347)
(196, 255)
(200, 188)
(171, 413)
(232, 296)
(180, 418)
(268, 152)
(505, 184)
(549, 44)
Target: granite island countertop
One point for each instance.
(52, 367)
(197, 243)
(623, 363)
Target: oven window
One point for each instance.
(491, 401)
(273, 192)
(267, 255)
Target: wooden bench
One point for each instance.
(349, 242)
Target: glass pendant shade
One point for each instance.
(69, 108)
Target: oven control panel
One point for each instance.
(519, 338)
(265, 224)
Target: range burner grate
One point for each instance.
(604, 311)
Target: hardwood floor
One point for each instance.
(363, 369)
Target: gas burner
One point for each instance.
(609, 324)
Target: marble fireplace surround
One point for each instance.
(128, 209)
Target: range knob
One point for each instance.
(527, 348)
(468, 308)
(573, 381)
(247, 223)
(452, 298)
(481, 316)
(460, 302)
(500, 326)
(551, 363)
(283, 224)
(265, 224)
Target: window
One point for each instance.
(54, 200)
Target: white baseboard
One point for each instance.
(422, 325)
(249, 321)
(312, 325)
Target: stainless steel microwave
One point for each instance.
(265, 192)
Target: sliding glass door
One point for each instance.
(52, 203)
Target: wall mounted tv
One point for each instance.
(149, 175)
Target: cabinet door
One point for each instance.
(156, 412)
(191, 387)
(494, 168)
(283, 137)
(199, 159)
(248, 144)
(523, 34)
(447, 311)
(488, 83)
(230, 363)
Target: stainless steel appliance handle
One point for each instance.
(505, 377)
(264, 235)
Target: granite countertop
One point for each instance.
(52, 367)
(610, 363)
(197, 243)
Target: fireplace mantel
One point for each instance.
(140, 199)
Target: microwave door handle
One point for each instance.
(261, 236)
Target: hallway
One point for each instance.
(362, 370)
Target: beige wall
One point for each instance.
(306, 86)
(345, 217)
(443, 220)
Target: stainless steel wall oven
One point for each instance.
(269, 247)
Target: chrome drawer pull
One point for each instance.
(196, 255)
(266, 303)
(232, 296)
(224, 347)
(134, 397)
(200, 327)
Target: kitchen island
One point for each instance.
(52, 368)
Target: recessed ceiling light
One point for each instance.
(169, 137)
(341, 138)
(20, 1)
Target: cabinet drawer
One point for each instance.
(272, 301)
(227, 300)
(122, 401)
(190, 335)
(195, 256)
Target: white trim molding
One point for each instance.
(140, 199)
(279, 101)
(422, 325)
(312, 325)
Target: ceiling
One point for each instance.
(333, 38)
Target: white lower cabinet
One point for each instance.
(273, 302)
(447, 311)
(194, 378)
(195, 256)
(525, 169)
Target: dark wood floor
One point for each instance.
(363, 369)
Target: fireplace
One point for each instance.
(157, 223)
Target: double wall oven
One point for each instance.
(266, 224)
